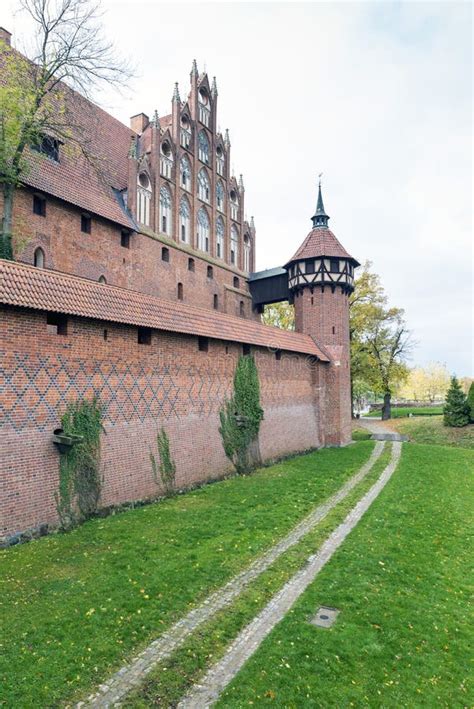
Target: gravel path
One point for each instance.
(130, 676)
(207, 692)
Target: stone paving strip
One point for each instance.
(207, 692)
(130, 676)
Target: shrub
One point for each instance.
(241, 416)
(470, 402)
(456, 409)
(167, 467)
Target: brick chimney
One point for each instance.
(139, 122)
(5, 36)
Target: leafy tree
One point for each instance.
(280, 315)
(35, 92)
(241, 416)
(428, 383)
(470, 402)
(456, 408)
(380, 342)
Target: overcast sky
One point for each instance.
(376, 95)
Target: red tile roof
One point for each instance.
(320, 242)
(40, 289)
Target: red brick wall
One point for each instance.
(325, 315)
(168, 383)
(138, 268)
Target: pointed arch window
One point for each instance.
(220, 163)
(203, 230)
(220, 231)
(204, 106)
(143, 199)
(234, 245)
(220, 196)
(204, 186)
(247, 253)
(165, 211)
(185, 172)
(184, 220)
(185, 132)
(203, 147)
(38, 258)
(234, 205)
(166, 159)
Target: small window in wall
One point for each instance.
(165, 254)
(39, 205)
(216, 301)
(246, 350)
(38, 258)
(180, 291)
(309, 266)
(333, 330)
(203, 344)
(278, 355)
(242, 308)
(191, 264)
(236, 282)
(102, 279)
(56, 324)
(86, 223)
(210, 272)
(106, 334)
(144, 336)
(125, 239)
(334, 265)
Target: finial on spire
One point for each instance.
(194, 69)
(133, 149)
(252, 223)
(176, 96)
(241, 182)
(214, 87)
(156, 120)
(227, 138)
(320, 218)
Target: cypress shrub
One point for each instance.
(470, 402)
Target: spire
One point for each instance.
(194, 69)
(252, 223)
(320, 218)
(176, 96)
(241, 183)
(156, 120)
(227, 138)
(214, 88)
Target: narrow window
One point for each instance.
(56, 324)
(86, 223)
(236, 282)
(278, 355)
(242, 308)
(203, 344)
(216, 301)
(39, 205)
(191, 265)
(246, 350)
(38, 258)
(210, 273)
(144, 336)
(125, 239)
(165, 254)
(334, 265)
(312, 300)
(163, 224)
(333, 330)
(106, 334)
(309, 266)
(102, 279)
(183, 232)
(180, 291)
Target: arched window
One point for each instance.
(204, 188)
(165, 211)
(234, 245)
(220, 160)
(220, 196)
(166, 159)
(184, 220)
(203, 147)
(38, 258)
(185, 171)
(203, 230)
(180, 291)
(143, 199)
(102, 279)
(234, 205)
(220, 230)
(185, 131)
(203, 100)
(246, 253)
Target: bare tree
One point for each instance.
(37, 92)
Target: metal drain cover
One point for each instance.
(325, 617)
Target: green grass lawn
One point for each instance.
(75, 606)
(402, 583)
(404, 411)
(433, 431)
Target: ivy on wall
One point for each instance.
(79, 469)
(166, 470)
(241, 416)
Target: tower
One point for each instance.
(320, 280)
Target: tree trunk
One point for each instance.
(387, 407)
(6, 250)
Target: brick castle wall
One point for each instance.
(168, 383)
